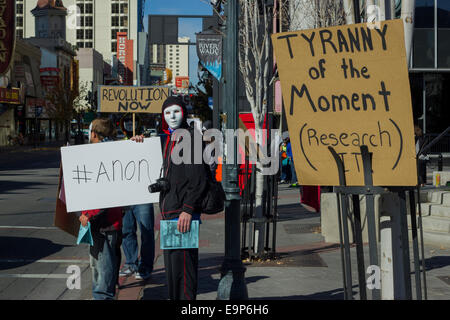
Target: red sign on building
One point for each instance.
(182, 82)
(7, 33)
(125, 59)
(49, 77)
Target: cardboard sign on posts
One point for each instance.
(110, 174)
(344, 87)
(131, 99)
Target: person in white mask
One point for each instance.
(181, 200)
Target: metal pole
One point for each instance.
(232, 283)
(405, 246)
(412, 211)
(424, 104)
(370, 214)
(359, 247)
(422, 250)
(341, 245)
(342, 216)
(387, 10)
(357, 10)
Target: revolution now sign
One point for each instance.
(345, 87)
(132, 99)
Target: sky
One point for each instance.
(186, 26)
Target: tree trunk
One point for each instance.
(259, 189)
(66, 128)
(407, 15)
(349, 11)
(392, 3)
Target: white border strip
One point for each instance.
(71, 261)
(36, 276)
(28, 227)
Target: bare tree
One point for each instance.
(255, 66)
(309, 14)
(65, 103)
(255, 62)
(349, 11)
(407, 15)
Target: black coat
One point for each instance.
(188, 183)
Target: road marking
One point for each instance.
(71, 261)
(28, 227)
(35, 276)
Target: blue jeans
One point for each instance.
(105, 262)
(144, 216)
(293, 174)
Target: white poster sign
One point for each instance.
(110, 174)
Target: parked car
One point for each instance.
(86, 133)
(150, 133)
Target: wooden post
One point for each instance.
(134, 124)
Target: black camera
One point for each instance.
(161, 185)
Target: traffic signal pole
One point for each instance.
(232, 284)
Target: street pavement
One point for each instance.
(36, 257)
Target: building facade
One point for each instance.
(58, 67)
(430, 68)
(90, 23)
(177, 59)
(20, 88)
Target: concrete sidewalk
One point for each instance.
(308, 268)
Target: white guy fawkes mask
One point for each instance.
(173, 115)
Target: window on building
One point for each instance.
(423, 46)
(114, 34)
(113, 46)
(115, 8)
(80, 34)
(124, 22)
(80, 8)
(19, 8)
(88, 45)
(80, 44)
(80, 21)
(114, 21)
(89, 21)
(19, 21)
(89, 34)
(19, 33)
(443, 33)
(88, 8)
(124, 8)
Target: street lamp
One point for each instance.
(232, 283)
